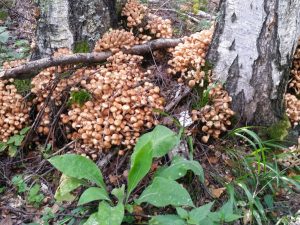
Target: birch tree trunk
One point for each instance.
(252, 51)
(63, 23)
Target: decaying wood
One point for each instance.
(252, 51)
(32, 68)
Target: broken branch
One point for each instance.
(32, 68)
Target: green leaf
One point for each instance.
(4, 36)
(269, 201)
(93, 194)
(140, 165)
(182, 213)
(93, 220)
(108, 215)
(119, 193)
(231, 217)
(79, 167)
(25, 130)
(164, 140)
(67, 184)
(179, 168)
(18, 181)
(167, 220)
(198, 214)
(12, 150)
(3, 146)
(34, 197)
(163, 192)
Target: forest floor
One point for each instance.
(222, 160)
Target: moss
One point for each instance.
(279, 130)
(3, 15)
(81, 47)
(23, 86)
(79, 97)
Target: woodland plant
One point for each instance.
(163, 191)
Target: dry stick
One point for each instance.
(32, 68)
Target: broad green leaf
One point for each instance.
(164, 140)
(93, 220)
(167, 220)
(269, 201)
(12, 150)
(93, 194)
(140, 165)
(179, 168)
(119, 193)
(198, 214)
(163, 192)
(3, 146)
(79, 167)
(25, 130)
(231, 217)
(108, 215)
(182, 213)
(67, 184)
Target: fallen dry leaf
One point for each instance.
(217, 192)
(213, 160)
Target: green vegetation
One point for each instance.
(279, 131)
(81, 47)
(79, 97)
(14, 142)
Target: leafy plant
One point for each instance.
(35, 197)
(19, 182)
(259, 177)
(14, 142)
(78, 171)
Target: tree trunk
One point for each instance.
(67, 23)
(252, 51)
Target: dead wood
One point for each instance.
(32, 68)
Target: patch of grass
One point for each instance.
(79, 97)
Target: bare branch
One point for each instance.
(32, 68)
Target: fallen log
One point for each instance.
(32, 68)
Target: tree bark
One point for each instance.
(63, 23)
(252, 51)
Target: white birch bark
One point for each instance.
(252, 51)
(66, 22)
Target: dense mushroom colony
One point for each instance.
(135, 13)
(292, 108)
(189, 58)
(115, 40)
(41, 88)
(14, 112)
(216, 116)
(291, 100)
(122, 106)
(159, 27)
(295, 72)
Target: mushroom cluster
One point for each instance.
(42, 85)
(159, 27)
(14, 111)
(295, 72)
(122, 105)
(216, 116)
(135, 13)
(189, 58)
(14, 63)
(292, 108)
(115, 40)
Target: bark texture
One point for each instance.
(252, 51)
(32, 68)
(63, 23)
